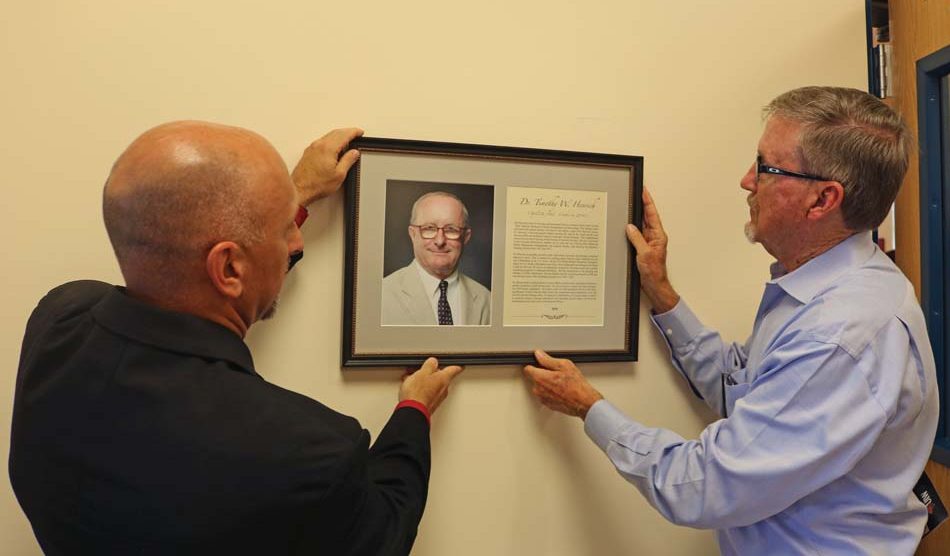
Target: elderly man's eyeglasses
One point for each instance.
(429, 231)
(761, 168)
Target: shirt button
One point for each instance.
(669, 331)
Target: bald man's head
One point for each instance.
(180, 188)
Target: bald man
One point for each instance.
(140, 424)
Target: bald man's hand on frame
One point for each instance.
(324, 165)
(559, 385)
(429, 385)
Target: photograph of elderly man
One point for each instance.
(432, 289)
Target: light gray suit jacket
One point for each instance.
(405, 300)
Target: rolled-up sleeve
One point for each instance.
(805, 421)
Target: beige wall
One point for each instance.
(680, 83)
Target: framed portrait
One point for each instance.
(479, 254)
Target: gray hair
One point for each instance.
(853, 138)
(412, 214)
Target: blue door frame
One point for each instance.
(934, 229)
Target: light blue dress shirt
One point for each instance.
(829, 414)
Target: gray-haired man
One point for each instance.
(830, 408)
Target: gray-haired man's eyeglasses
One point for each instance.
(761, 168)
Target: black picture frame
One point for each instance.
(450, 166)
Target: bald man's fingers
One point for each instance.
(347, 161)
(429, 366)
(321, 170)
(452, 370)
(337, 139)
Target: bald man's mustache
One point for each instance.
(293, 259)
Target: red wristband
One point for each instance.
(416, 405)
(302, 214)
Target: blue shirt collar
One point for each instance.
(814, 276)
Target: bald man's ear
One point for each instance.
(830, 198)
(226, 265)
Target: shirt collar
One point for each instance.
(815, 275)
(429, 282)
(169, 330)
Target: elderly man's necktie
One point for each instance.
(445, 312)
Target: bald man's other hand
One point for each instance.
(429, 385)
(324, 164)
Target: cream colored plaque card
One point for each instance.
(555, 257)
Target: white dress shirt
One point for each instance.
(431, 286)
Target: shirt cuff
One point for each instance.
(302, 214)
(604, 423)
(679, 325)
(416, 405)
